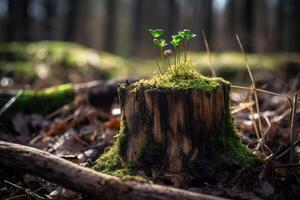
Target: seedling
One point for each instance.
(187, 35)
(156, 33)
(176, 40)
(183, 36)
(161, 43)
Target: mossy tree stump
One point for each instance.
(182, 122)
(173, 125)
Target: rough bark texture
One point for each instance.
(83, 180)
(181, 122)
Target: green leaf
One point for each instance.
(161, 43)
(176, 39)
(156, 41)
(181, 33)
(156, 33)
(187, 32)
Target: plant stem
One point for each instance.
(178, 55)
(175, 58)
(168, 63)
(185, 44)
(186, 48)
(156, 60)
(162, 59)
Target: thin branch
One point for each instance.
(292, 135)
(11, 101)
(260, 90)
(254, 122)
(94, 184)
(286, 151)
(253, 83)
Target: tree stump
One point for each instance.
(173, 129)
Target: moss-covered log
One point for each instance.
(176, 125)
(97, 93)
(30, 101)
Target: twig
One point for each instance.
(253, 84)
(241, 107)
(254, 122)
(259, 90)
(11, 101)
(292, 136)
(208, 53)
(266, 132)
(17, 197)
(287, 150)
(27, 191)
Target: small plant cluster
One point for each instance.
(179, 41)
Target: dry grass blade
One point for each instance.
(241, 107)
(292, 135)
(11, 101)
(253, 85)
(260, 90)
(250, 108)
(208, 53)
(286, 151)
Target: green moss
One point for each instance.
(23, 60)
(229, 147)
(112, 162)
(181, 77)
(18, 69)
(42, 102)
(150, 154)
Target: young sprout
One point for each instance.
(176, 39)
(156, 33)
(161, 43)
(182, 36)
(187, 35)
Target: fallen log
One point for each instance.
(98, 93)
(84, 180)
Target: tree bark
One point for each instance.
(84, 180)
(182, 123)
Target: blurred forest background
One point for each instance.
(120, 26)
(49, 42)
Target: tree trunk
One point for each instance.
(111, 16)
(18, 21)
(181, 121)
(71, 29)
(184, 127)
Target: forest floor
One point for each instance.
(80, 132)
